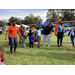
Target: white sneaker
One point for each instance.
(48, 45)
(43, 45)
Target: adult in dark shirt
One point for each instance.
(46, 33)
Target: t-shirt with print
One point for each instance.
(13, 31)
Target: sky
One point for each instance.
(5, 14)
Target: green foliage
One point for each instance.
(18, 20)
(31, 19)
(63, 14)
(2, 23)
(53, 15)
(68, 14)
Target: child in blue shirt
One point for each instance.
(31, 39)
(38, 36)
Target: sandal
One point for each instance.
(15, 51)
(11, 52)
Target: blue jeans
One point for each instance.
(23, 42)
(73, 39)
(13, 41)
(9, 41)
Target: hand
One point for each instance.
(5, 38)
(21, 37)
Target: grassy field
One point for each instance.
(40, 56)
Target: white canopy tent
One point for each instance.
(17, 25)
(23, 25)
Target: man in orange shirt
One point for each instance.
(13, 30)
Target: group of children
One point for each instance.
(34, 36)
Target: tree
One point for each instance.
(31, 19)
(2, 23)
(53, 15)
(68, 14)
(18, 20)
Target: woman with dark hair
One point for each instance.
(59, 32)
(13, 30)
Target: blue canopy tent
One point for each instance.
(4, 26)
(66, 25)
(45, 23)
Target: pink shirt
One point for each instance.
(2, 63)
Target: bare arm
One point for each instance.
(20, 35)
(6, 35)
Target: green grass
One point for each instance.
(40, 56)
